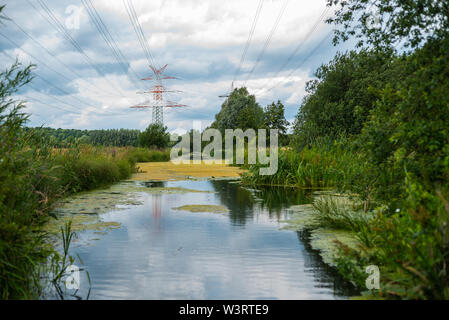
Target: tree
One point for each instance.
(411, 22)
(408, 129)
(241, 111)
(274, 118)
(155, 135)
(346, 89)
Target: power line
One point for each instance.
(139, 32)
(107, 37)
(268, 40)
(300, 45)
(71, 105)
(48, 104)
(53, 55)
(289, 76)
(248, 41)
(40, 77)
(52, 20)
(142, 33)
(35, 58)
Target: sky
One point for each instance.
(202, 42)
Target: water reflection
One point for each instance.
(324, 274)
(243, 203)
(161, 253)
(157, 210)
(153, 184)
(238, 200)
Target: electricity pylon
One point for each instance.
(157, 90)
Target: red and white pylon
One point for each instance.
(157, 90)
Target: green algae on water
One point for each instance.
(326, 242)
(170, 190)
(80, 222)
(202, 208)
(302, 217)
(117, 197)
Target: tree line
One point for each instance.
(61, 138)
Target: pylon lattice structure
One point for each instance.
(158, 103)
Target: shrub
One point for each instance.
(148, 155)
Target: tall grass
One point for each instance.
(411, 248)
(148, 155)
(33, 176)
(341, 212)
(320, 166)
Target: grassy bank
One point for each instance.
(374, 126)
(408, 239)
(33, 175)
(319, 166)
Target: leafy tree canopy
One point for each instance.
(274, 117)
(387, 22)
(155, 135)
(338, 102)
(240, 110)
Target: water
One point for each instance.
(161, 253)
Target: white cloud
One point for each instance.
(202, 41)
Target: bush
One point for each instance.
(148, 155)
(411, 248)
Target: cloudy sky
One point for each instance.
(201, 41)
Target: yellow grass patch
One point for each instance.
(202, 208)
(165, 171)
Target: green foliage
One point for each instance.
(342, 213)
(148, 155)
(411, 247)
(338, 102)
(239, 111)
(32, 176)
(20, 204)
(389, 116)
(409, 126)
(411, 22)
(155, 136)
(64, 138)
(274, 118)
(319, 166)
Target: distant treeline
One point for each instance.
(112, 137)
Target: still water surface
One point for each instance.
(161, 253)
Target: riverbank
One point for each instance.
(34, 176)
(356, 225)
